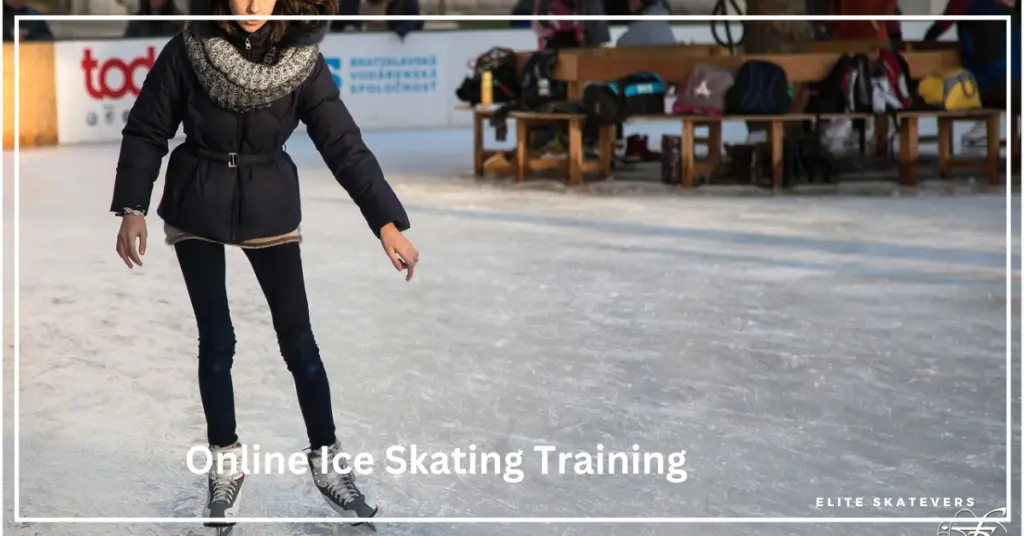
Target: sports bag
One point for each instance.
(896, 72)
(501, 62)
(760, 88)
(953, 91)
(642, 93)
(704, 91)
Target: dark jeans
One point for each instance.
(279, 272)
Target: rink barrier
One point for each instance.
(38, 121)
(81, 91)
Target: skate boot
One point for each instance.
(976, 137)
(225, 482)
(339, 488)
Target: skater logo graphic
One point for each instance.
(973, 525)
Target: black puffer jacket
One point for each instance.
(204, 194)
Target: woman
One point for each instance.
(154, 28)
(983, 52)
(240, 88)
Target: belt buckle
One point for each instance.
(232, 160)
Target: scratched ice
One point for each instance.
(795, 347)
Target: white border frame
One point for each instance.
(1007, 518)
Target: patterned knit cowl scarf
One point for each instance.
(240, 85)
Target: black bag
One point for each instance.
(859, 91)
(760, 88)
(501, 62)
(805, 160)
(603, 105)
(828, 95)
(642, 93)
(538, 86)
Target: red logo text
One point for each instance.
(101, 85)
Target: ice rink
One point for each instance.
(797, 347)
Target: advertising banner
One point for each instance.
(388, 83)
(97, 82)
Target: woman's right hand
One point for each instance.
(131, 239)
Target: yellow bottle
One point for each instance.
(487, 88)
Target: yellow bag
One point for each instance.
(953, 90)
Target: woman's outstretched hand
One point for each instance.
(132, 232)
(399, 249)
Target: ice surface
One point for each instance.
(796, 347)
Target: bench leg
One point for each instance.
(605, 149)
(478, 144)
(992, 160)
(908, 151)
(522, 144)
(881, 135)
(686, 148)
(945, 146)
(775, 140)
(575, 152)
(715, 143)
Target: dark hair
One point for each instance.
(278, 28)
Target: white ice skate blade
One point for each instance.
(350, 514)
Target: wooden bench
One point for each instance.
(800, 69)
(578, 67)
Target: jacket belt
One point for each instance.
(234, 160)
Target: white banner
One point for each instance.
(97, 83)
(386, 83)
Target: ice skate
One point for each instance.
(336, 482)
(224, 485)
(976, 137)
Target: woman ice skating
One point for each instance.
(240, 88)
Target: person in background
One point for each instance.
(647, 32)
(983, 49)
(388, 8)
(557, 34)
(155, 28)
(595, 32)
(521, 9)
(31, 30)
(347, 8)
(860, 29)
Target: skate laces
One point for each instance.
(224, 488)
(341, 486)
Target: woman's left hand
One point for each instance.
(399, 249)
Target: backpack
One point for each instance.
(952, 91)
(501, 62)
(538, 86)
(857, 86)
(704, 91)
(760, 88)
(897, 73)
(829, 95)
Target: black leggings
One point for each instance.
(279, 272)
